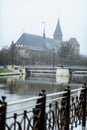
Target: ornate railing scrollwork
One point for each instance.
(50, 120)
(77, 110)
(57, 111)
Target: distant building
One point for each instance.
(75, 45)
(39, 45)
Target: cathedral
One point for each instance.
(29, 44)
(41, 43)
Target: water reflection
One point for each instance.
(17, 87)
(62, 79)
(79, 78)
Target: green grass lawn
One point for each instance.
(4, 70)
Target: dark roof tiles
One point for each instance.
(35, 42)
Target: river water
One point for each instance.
(20, 87)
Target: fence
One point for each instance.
(57, 111)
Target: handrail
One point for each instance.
(24, 100)
(55, 99)
(74, 90)
(58, 93)
(23, 108)
(38, 97)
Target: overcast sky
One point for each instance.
(18, 16)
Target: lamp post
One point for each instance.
(53, 53)
(53, 57)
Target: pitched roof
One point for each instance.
(37, 43)
(33, 42)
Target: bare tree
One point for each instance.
(13, 53)
(4, 56)
(67, 55)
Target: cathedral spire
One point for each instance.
(58, 33)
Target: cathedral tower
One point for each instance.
(58, 33)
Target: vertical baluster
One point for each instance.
(67, 108)
(25, 112)
(3, 106)
(84, 93)
(40, 111)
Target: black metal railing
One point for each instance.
(57, 111)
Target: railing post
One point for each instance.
(84, 93)
(40, 112)
(3, 106)
(68, 108)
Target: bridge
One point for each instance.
(64, 110)
(52, 69)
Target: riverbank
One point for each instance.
(4, 70)
(12, 70)
(7, 72)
